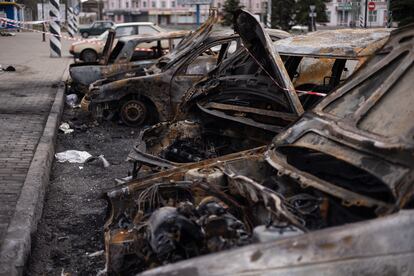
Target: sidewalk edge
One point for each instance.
(16, 246)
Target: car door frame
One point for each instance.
(175, 100)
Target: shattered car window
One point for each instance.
(205, 62)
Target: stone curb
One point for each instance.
(17, 242)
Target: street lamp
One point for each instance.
(312, 16)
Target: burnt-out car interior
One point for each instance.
(332, 193)
(218, 115)
(156, 96)
(129, 57)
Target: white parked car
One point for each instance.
(90, 50)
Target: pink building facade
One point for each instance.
(166, 12)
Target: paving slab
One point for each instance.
(31, 101)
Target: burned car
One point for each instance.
(333, 194)
(252, 92)
(129, 57)
(156, 96)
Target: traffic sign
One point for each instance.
(371, 6)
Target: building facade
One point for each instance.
(166, 12)
(351, 13)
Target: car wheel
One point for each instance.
(89, 56)
(133, 113)
(85, 34)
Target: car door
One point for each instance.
(97, 28)
(195, 67)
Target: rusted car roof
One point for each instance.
(335, 43)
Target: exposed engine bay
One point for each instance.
(169, 144)
(194, 211)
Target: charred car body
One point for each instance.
(242, 96)
(156, 96)
(345, 167)
(130, 56)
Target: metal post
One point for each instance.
(366, 13)
(312, 16)
(198, 14)
(54, 28)
(343, 12)
(269, 14)
(389, 14)
(43, 18)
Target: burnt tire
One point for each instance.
(85, 34)
(133, 113)
(89, 56)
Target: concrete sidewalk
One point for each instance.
(31, 101)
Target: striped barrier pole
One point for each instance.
(71, 27)
(54, 28)
(75, 21)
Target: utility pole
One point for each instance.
(366, 14)
(198, 14)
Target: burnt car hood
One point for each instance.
(259, 45)
(363, 129)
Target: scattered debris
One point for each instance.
(123, 180)
(95, 254)
(5, 33)
(73, 156)
(101, 158)
(72, 100)
(65, 128)
(8, 68)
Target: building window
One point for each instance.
(127, 4)
(144, 4)
(173, 4)
(219, 5)
(328, 15)
(112, 5)
(372, 16)
(153, 4)
(163, 4)
(119, 4)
